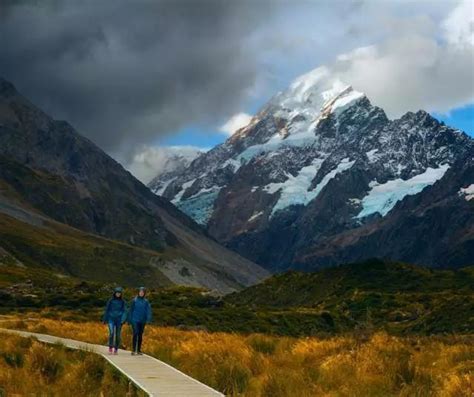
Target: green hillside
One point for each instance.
(375, 295)
(380, 294)
(61, 249)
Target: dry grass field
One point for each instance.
(256, 365)
(30, 368)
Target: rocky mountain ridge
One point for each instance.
(49, 171)
(317, 161)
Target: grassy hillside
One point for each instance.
(68, 251)
(293, 289)
(396, 296)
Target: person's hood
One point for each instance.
(117, 289)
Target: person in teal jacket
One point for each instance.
(115, 315)
(138, 316)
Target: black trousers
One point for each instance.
(138, 329)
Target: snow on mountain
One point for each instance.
(467, 192)
(317, 160)
(297, 190)
(383, 197)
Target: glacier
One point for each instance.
(294, 191)
(383, 196)
(200, 206)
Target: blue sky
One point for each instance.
(462, 118)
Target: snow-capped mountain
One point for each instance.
(317, 161)
(176, 159)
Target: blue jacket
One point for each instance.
(116, 310)
(140, 311)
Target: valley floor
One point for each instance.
(361, 363)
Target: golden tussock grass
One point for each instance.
(32, 368)
(269, 366)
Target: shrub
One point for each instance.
(44, 361)
(262, 343)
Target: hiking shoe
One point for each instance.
(115, 351)
(110, 350)
(140, 353)
(133, 353)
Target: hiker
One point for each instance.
(138, 316)
(114, 316)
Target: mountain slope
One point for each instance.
(391, 295)
(49, 169)
(320, 161)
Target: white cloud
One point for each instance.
(415, 69)
(459, 25)
(150, 161)
(405, 55)
(236, 122)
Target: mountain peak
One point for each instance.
(316, 93)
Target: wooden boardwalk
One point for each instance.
(148, 373)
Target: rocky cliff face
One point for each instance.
(320, 161)
(62, 175)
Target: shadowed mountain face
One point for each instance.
(50, 171)
(320, 176)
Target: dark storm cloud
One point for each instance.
(124, 72)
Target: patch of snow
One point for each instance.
(294, 191)
(163, 187)
(371, 155)
(468, 192)
(345, 101)
(344, 165)
(354, 201)
(400, 168)
(255, 216)
(205, 190)
(184, 187)
(235, 164)
(383, 197)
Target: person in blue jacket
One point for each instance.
(114, 316)
(138, 316)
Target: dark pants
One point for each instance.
(138, 329)
(115, 328)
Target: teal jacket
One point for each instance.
(116, 310)
(140, 311)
